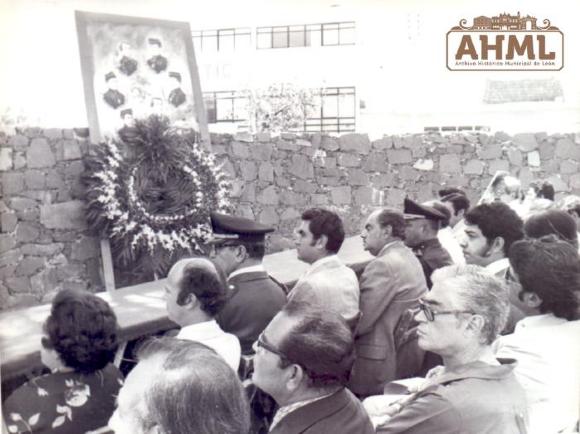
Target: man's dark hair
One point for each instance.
(195, 391)
(459, 201)
(393, 218)
(552, 221)
(321, 342)
(497, 219)
(82, 328)
(325, 222)
(450, 190)
(550, 268)
(545, 190)
(205, 284)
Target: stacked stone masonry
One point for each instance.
(45, 244)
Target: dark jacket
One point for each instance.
(389, 285)
(339, 413)
(432, 255)
(254, 300)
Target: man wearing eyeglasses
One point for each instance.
(303, 360)
(473, 392)
(238, 248)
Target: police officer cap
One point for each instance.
(413, 210)
(228, 227)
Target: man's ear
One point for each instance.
(295, 377)
(530, 299)
(388, 231)
(460, 214)
(321, 242)
(191, 302)
(241, 253)
(476, 323)
(496, 246)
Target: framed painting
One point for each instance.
(133, 67)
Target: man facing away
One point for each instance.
(490, 229)
(180, 387)
(328, 282)
(390, 284)
(473, 392)
(546, 343)
(195, 293)
(422, 225)
(254, 297)
(303, 360)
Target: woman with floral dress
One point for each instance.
(78, 346)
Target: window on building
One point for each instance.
(333, 111)
(226, 106)
(222, 39)
(306, 35)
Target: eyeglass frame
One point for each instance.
(430, 313)
(262, 342)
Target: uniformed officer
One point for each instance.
(238, 248)
(422, 222)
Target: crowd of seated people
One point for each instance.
(466, 320)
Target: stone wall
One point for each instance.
(276, 178)
(45, 245)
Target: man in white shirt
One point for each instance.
(328, 282)
(490, 229)
(546, 344)
(450, 236)
(195, 293)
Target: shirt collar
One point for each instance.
(534, 321)
(250, 269)
(206, 329)
(497, 266)
(318, 263)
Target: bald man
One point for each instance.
(195, 292)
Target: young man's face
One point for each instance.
(305, 243)
(475, 246)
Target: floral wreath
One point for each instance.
(153, 200)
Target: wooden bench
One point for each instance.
(140, 310)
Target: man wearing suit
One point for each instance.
(254, 298)
(303, 360)
(328, 282)
(390, 284)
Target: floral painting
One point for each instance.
(134, 67)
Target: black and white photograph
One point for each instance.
(289, 217)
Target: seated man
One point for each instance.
(328, 282)
(180, 387)
(422, 225)
(254, 297)
(390, 284)
(303, 360)
(490, 229)
(194, 294)
(473, 392)
(546, 343)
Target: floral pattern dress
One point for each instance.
(64, 402)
